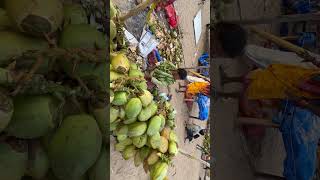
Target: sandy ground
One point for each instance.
(184, 168)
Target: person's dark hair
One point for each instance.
(232, 37)
(201, 132)
(182, 74)
(196, 136)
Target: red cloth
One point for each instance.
(171, 16)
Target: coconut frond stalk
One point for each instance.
(35, 17)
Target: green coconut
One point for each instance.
(94, 74)
(75, 147)
(129, 152)
(35, 17)
(120, 63)
(146, 98)
(33, 116)
(38, 164)
(6, 111)
(113, 30)
(115, 76)
(122, 133)
(140, 141)
(74, 14)
(5, 21)
(114, 113)
(122, 113)
(133, 108)
(90, 37)
(129, 120)
(113, 10)
(120, 98)
(13, 160)
(99, 170)
(135, 73)
(133, 66)
(15, 44)
(101, 115)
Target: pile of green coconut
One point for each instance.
(53, 93)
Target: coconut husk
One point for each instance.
(35, 17)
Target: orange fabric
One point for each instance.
(198, 87)
(278, 79)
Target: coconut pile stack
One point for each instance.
(142, 123)
(53, 93)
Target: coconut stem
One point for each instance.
(78, 54)
(28, 76)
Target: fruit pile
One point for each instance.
(53, 93)
(143, 127)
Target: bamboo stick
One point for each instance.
(194, 158)
(136, 10)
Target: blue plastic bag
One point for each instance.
(300, 130)
(204, 107)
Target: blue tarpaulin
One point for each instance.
(300, 130)
(203, 62)
(204, 106)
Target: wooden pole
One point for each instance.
(199, 75)
(279, 19)
(197, 67)
(136, 10)
(283, 43)
(194, 158)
